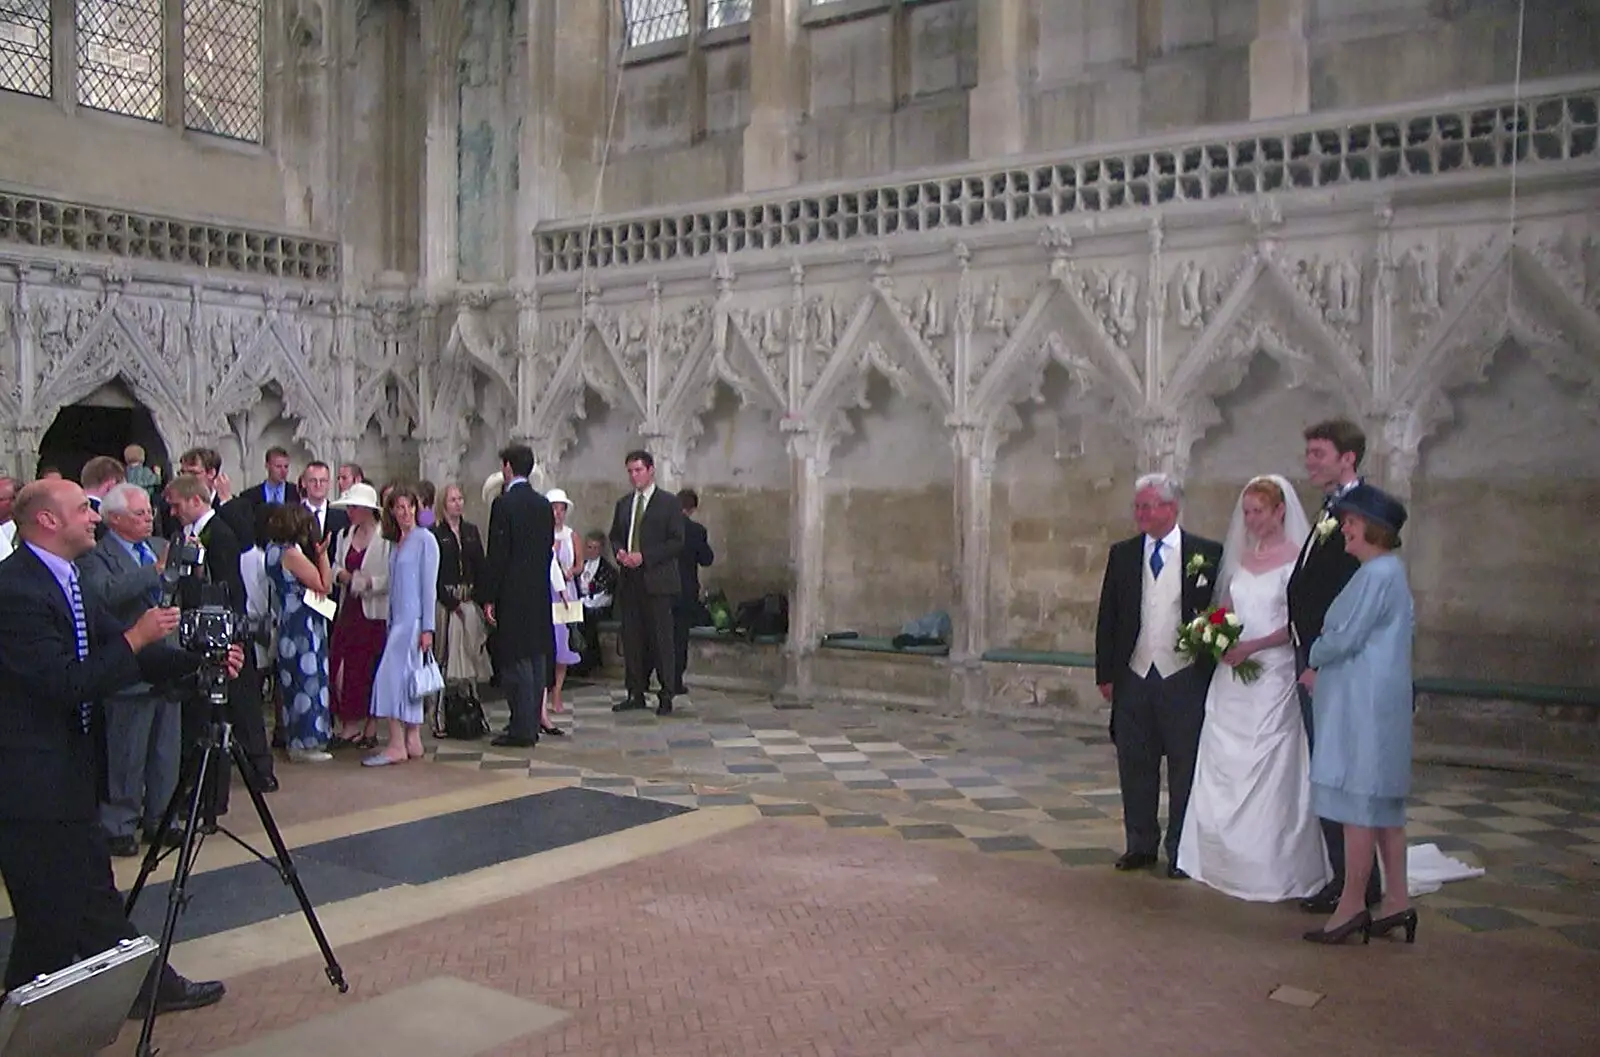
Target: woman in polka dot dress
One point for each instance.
(302, 631)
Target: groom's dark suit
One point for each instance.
(1152, 716)
(1319, 575)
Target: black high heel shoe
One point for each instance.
(553, 732)
(1406, 919)
(1361, 923)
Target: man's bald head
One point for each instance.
(54, 515)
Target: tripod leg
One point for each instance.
(188, 850)
(291, 876)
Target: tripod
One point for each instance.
(202, 777)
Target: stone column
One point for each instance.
(809, 450)
(975, 462)
(442, 24)
(1280, 61)
(778, 93)
(571, 50)
(997, 121)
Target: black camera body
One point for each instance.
(207, 623)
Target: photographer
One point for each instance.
(190, 500)
(61, 654)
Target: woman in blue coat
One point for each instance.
(1362, 703)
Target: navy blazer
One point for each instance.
(49, 768)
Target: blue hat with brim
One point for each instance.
(1373, 505)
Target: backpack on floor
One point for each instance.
(459, 714)
(764, 616)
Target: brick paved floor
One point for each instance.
(780, 939)
(1035, 790)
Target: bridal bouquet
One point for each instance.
(1213, 633)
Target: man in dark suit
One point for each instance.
(317, 479)
(1333, 454)
(1153, 582)
(61, 654)
(99, 476)
(687, 610)
(515, 596)
(143, 733)
(647, 538)
(221, 549)
(276, 488)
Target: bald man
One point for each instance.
(61, 655)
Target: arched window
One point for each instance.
(25, 47)
(649, 21)
(120, 57)
(222, 67)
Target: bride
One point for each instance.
(1250, 831)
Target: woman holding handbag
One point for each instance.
(407, 672)
(564, 568)
(462, 652)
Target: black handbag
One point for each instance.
(459, 715)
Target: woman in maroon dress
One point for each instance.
(361, 564)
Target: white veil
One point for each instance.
(1295, 527)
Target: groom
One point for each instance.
(1153, 581)
(1333, 453)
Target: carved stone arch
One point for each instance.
(389, 397)
(681, 415)
(588, 365)
(108, 350)
(862, 348)
(306, 397)
(469, 340)
(738, 361)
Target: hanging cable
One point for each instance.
(1516, 142)
(605, 158)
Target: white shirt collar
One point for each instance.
(1173, 541)
(648, 493)
(201, 522)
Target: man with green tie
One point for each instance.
(647, 537)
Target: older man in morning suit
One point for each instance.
(144, 738)
(647, 537)
(1154, 581)
(515, 595)
(61, 655)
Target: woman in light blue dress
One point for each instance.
(413, 585)
(1362, 702)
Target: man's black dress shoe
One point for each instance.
(512, 741)
(1136, 860)
(176, 997)
(632, 704)
(664, 705)
(124, 847)
(269, 784)
(1176, 873)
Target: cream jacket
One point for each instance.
(370, 583)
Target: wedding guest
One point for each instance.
(297, 563)
(647, 537)
(597, 583)
(426, 494)
(1333, 454)
(361, 561)
(1154, 581)
(461, 568)
(413, 603)
(564, 568)
(1361, 692)
(687, 609)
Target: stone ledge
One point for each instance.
(873, 644)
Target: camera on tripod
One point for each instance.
(207, 623)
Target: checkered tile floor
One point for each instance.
(1033, 791)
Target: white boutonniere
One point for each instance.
(1195, 569)
(1326, 526)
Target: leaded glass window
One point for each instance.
(649, 21)
(222, 67)
(119, 56)
(726, 12)
(25, 46)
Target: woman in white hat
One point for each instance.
(566, 561)
(361, 569)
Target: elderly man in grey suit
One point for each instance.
(143, 723)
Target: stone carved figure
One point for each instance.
(1196, 287)
(1114, 299)
(1424, 263)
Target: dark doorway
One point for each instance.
(104, 423)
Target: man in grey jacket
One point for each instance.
(143, 723)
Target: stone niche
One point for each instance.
(889, 521)
(1501, 555)
(1060, 498)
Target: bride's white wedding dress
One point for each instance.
(1250, 830)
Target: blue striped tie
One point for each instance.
(80, 625)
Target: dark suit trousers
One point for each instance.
(647, 634)
(249, 729)
(63, 895)
(684, 611)
(1155, 717)
(525, 680)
